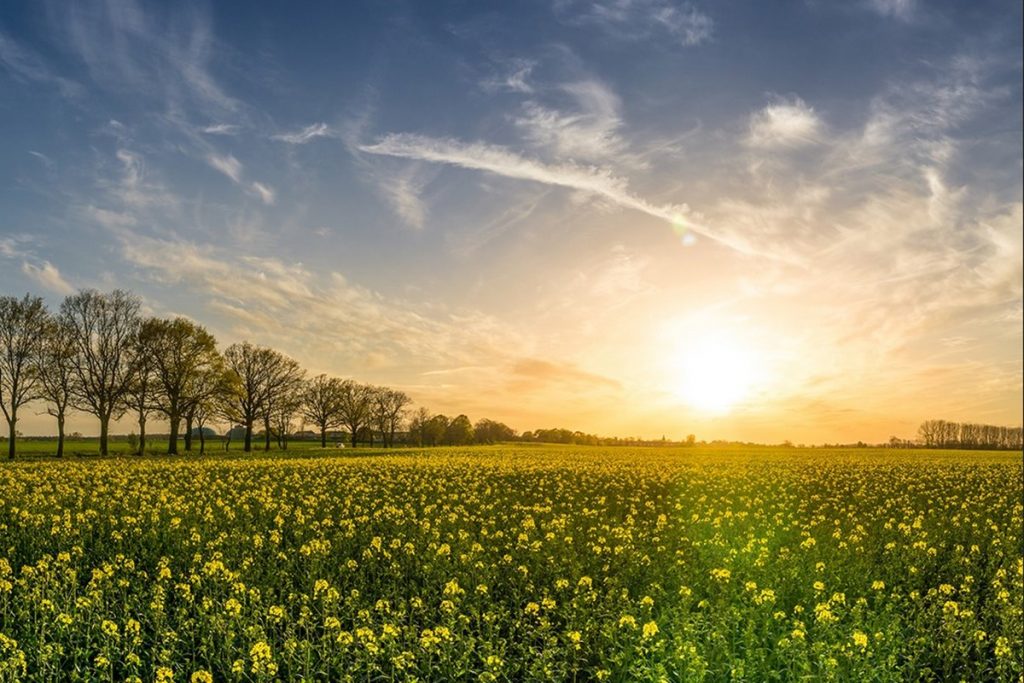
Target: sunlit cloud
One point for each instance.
(504, 162)
(786, 123)
(47, 276)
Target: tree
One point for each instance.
(387, 409)
(490, 431)
(286, 406)
(251, 371)
(321, 404)
(435, 430)
(56, 373)
(355, 407)
(283, 380)
(459, 431)
(418, 425)
(105, 326)
(207, 393)
(181, 352)
(141, 395)
(22, 327)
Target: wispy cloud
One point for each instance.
(47, 276)
(265, 193)
(514, 77)
(898, 9)
(226, 164)
(589, 133)
(310, 132)
(26, 65)
(502, 161)
(639, 19)
(786, 123)
(221, 129)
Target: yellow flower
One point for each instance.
(201, 676)
(650, 630)
(860, 639)
(627, 621)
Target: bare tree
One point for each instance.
(321, 404)
(22, 327)
(387, 410)
(207, 394)
(56, 373)
(283, 380)
(182, 352)
(418, 425)
(104, 328)
(286, 406)
(250, 369)
(141, 395)
(355, 407)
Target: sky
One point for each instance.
(742, 220)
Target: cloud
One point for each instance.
(26, 65)
(514, 79)
(46, 161)
(226, 164)
(501, 161)
(403, 193)
(221, 129)
(589, 133)
(265, 193)
(47, 276)
(898, 9)
(784, 124)
(641, 19)
(531, 374)
(310, 132)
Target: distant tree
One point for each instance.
(418, 426)
(321, 404)
(22, 329)
(387, 409)
(459, 431)
(691, 439)
(104, 328)
(286, 406)
(182, 352)
(250, 368)
(56, 373)
(355, 401)
(207, 393)
(490, 431)
(283, 381)
(142, 391)
(435, 430)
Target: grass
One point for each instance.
(514, 563)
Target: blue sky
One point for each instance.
(558, 212)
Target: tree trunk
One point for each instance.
(202, 440)
(172, 441)
(266, 434)
(142, 435)
(104, 433)
(323, 438)
(60, 435)
(248, 437)
(354, 433)
(12, 421)
(188, 433)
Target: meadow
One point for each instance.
(514, 563)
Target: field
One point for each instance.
(514, 563)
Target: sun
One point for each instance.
(714, 374)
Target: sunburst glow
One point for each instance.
(714, 374)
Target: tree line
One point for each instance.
(99, 355)
(969, 435)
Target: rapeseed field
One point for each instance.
(512, 563)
